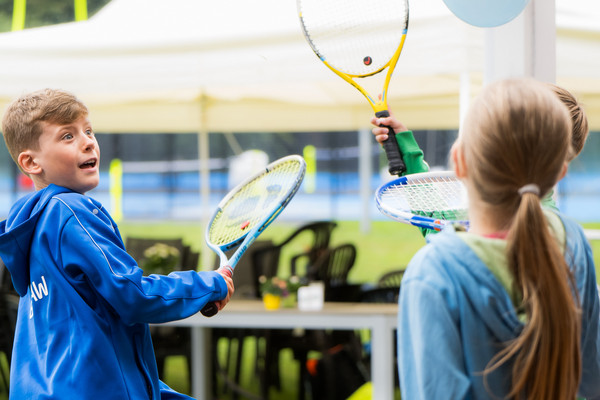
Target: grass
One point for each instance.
(387, 246)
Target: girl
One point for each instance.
(509, 309)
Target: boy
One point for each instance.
(82, 326)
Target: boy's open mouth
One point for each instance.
(88, 164)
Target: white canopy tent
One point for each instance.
(236, 66)
(239, 66)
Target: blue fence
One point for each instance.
(164, 196)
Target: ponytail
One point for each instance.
(546, 355)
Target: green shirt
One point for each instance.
(492, 251)
(411, 153)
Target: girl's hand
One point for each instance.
(381, 132)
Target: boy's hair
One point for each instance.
(21, 124)
(517, 133)
(578, 118)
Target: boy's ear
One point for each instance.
(458, 160)
(28, 164)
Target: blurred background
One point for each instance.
(185, 95)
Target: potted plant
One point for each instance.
(276, 291)
(160, 259)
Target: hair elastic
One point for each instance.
(530, 188)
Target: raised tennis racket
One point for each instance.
(429, 200)
(357, 39)
(249, 208)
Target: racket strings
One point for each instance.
(248, 207)
(437, 197)
(347, 32)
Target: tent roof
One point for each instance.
(186, 65)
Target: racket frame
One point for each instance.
(407, 217)
(380, 106)
(244, 241)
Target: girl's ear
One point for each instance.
(565, 168)
(28, 164)
(458, 160)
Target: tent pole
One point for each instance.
(204, 168)
(365, 171)
(525, 46)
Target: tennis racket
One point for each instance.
(357, 39)
(248, 209)
(429, 200)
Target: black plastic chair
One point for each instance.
(267, 261)
(332, 268)
(246, 287)
(387, 291)
(9, 303)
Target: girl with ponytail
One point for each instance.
(510, 309)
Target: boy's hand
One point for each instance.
(381, 134)
(226, 274)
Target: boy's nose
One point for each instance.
(89, 142)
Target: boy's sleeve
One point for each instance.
(93, 257)
(413, 159)
(411, 153)
(166, 393)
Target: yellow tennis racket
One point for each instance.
(357, 39)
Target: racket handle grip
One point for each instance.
(211, 309)
(392, 151)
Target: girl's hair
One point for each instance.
(517, 133)
(21, 124)
(578, 118)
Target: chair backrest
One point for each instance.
(9, 303)
(333, 268)
(320, 238)
(335, 264)
(387, 290)
(266, 260)
(391, 279)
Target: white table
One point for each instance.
(380, 319)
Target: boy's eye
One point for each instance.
(68, 136)
(89, 132)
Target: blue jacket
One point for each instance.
(454, 312)
(82, 327)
